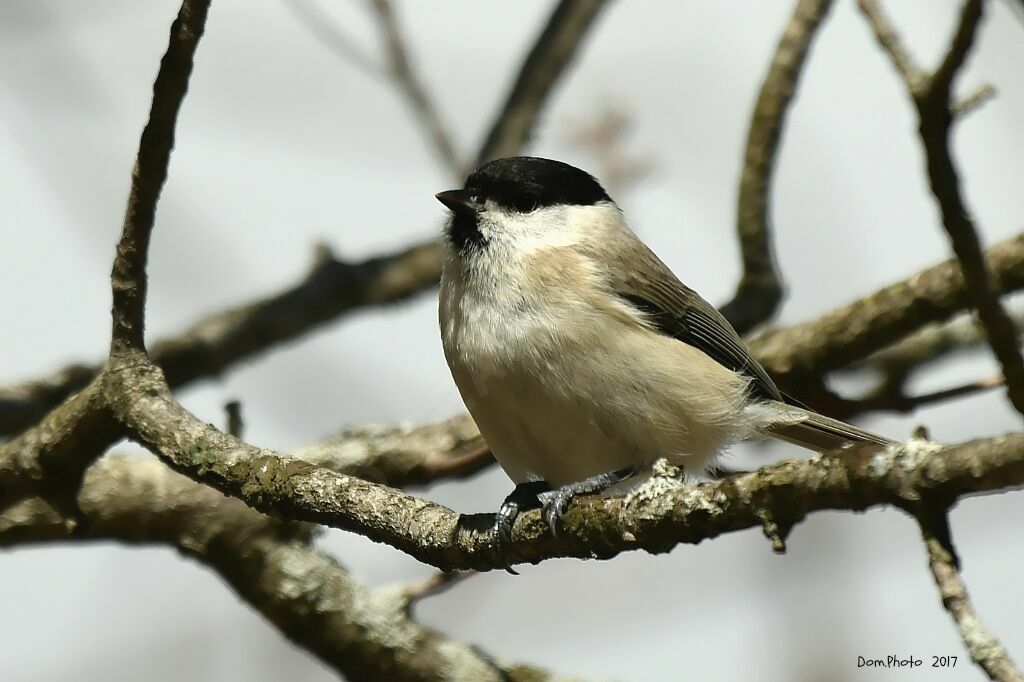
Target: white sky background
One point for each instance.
(282, 144)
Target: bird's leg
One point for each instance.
(555, 502)
(526, 496)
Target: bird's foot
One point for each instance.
(556, 502)
(526, 496)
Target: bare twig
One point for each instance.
(984, 648)
(327, 31)
(150, 172)
(410, 85)
(235, 425)
(892, 398)
(890, 41)
(916, 79)
(932, 97)
(973, 101)
(760, 289)
(314, 601)
(436, 584)
(546, 62)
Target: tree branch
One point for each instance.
(760, 290)
(332, 288)
(404, 456)
(797, 356)
(49, 458)
(129, 273)
(271, 564)
(932, 97)
(323, 28)
(655, 518)
(409, 84)
(544, 65)
(928, 345)
(900, 362)
(984, 648)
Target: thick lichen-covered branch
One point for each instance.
(760, 289)
(271, 564)
(659, 516)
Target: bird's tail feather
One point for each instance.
(817, 432)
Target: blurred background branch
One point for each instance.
(760, 290)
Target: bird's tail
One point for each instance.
(820, 433)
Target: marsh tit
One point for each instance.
(580, 355)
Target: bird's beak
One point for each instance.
(459, 200)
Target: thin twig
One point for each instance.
(129, 272)
(327, 31)
(892, 398)
(914, 77)
(935, 132)
(235, 425)
(890, 41)
(410, 85)
(436, 584)
(544, 65)
(760, 290)
(940, 84)
(973, 101)
(984, 648)
(932, 96)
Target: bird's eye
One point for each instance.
(525, 203)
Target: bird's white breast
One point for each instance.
(564, 380)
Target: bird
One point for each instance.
(579, 354)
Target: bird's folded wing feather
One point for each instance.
(678, 311)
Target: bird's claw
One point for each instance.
(555, 503)
(554, 507)
(523, 498)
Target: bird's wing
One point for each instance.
(678, 311)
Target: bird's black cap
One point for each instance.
(525, 183)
